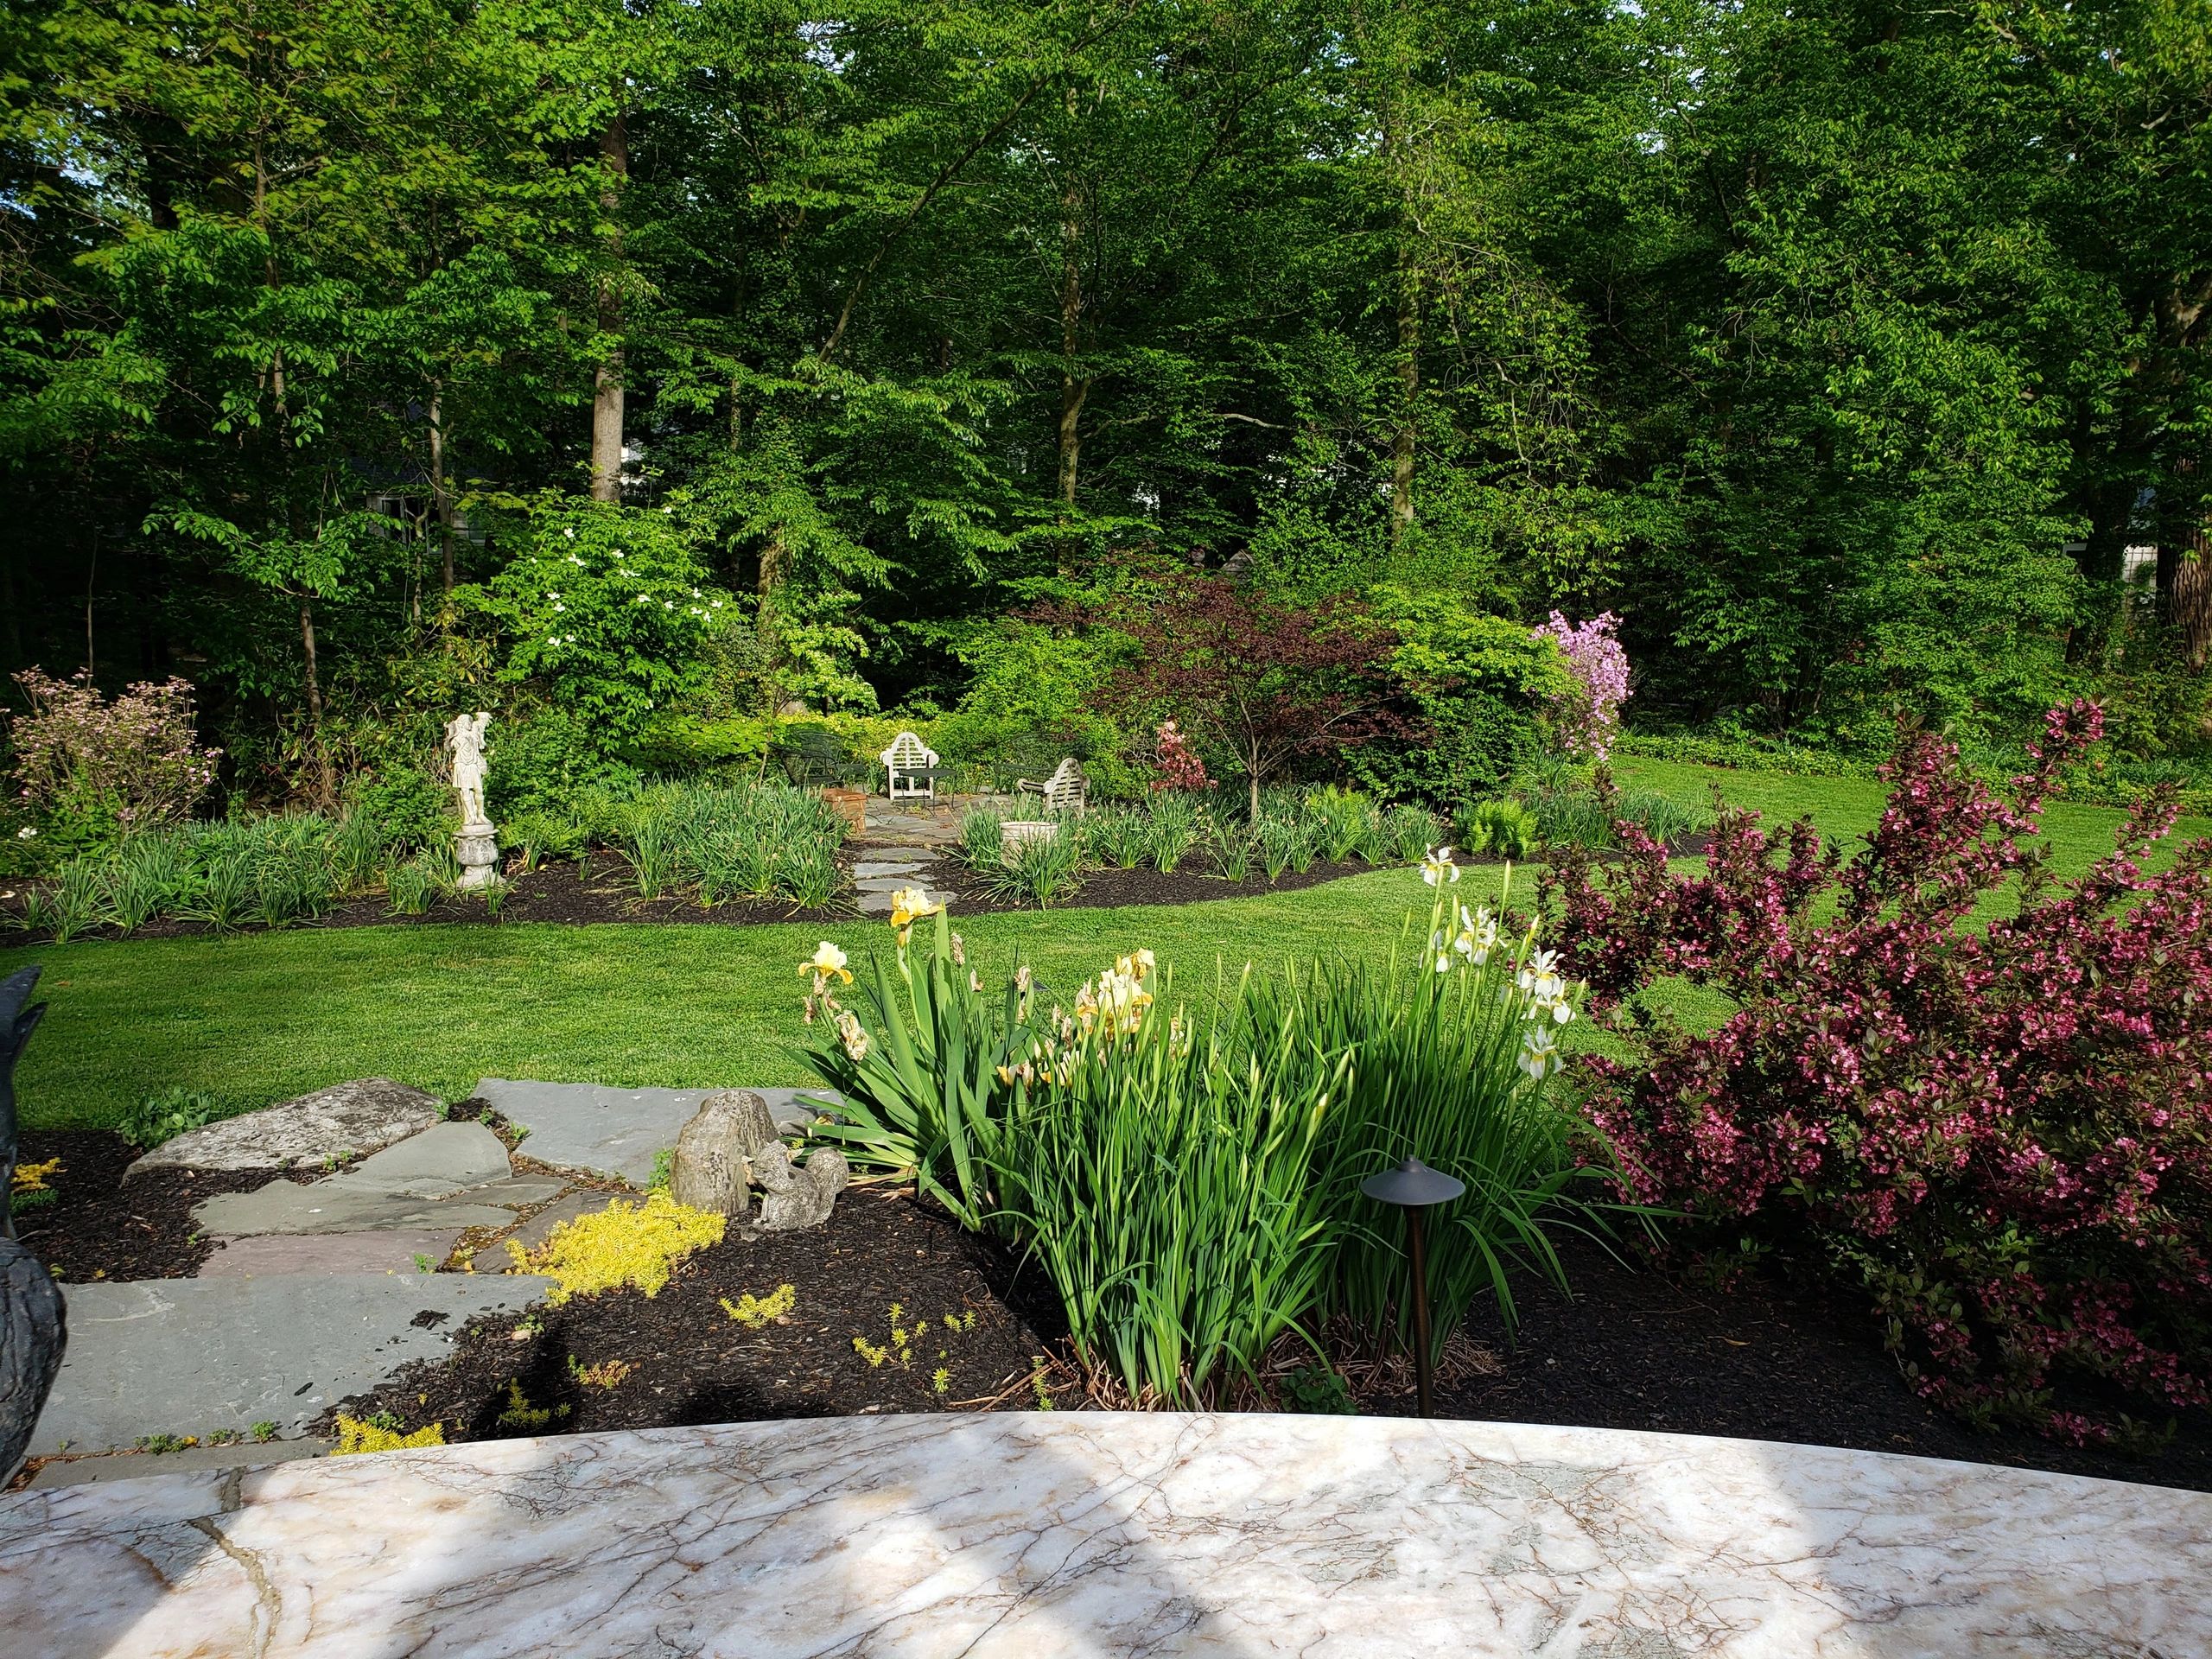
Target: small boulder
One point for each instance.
(798, 1195)
(341, 1121)
(713, 1151)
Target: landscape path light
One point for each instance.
(1412, 1186)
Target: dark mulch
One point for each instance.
(691, 1363)
(1759, 1360)
(1113, 889)
(99, 1228)
(600, 890)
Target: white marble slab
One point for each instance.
(1034, 1536)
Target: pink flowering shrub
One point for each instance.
(1178, 763)
(1587, 718)
(83, 760)
(2002, 1128)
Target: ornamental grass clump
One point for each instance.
(633, 1245)
(923, 1091)
(1449, 1047)
(1163, 1180)
(2001, 1129)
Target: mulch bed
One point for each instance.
(1759, 1360)
(99, 1228)
(689, 1362)
(599, 890)
(1636, 1348)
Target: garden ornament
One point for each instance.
(477, 845)
(1412, 1186)
(34, 1327)
(17, 1022)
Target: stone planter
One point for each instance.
(850, 805)
(1014, 832)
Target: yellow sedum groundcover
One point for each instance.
(356, 1436)
(632, 1244)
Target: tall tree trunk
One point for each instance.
(1402, 440)
(314, 700)
(2190, 597)
(441, 500)
(774, 555)
(606, 380)
(1075, 387)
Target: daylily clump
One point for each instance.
(2002, 1128)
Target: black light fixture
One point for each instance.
(1412, 1186)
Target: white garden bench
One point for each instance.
(1065, 790)
(909, 769)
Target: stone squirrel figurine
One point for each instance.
(732, 1145)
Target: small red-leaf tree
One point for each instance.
(1263, 679)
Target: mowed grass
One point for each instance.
(261, 1017)
(1848, 808)
(258, 1018)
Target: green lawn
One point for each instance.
(1849, 807)
(258, 1018)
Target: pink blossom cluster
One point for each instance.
(2002, 1127)
(1179, 764)
(138, 750)
(1587, 718)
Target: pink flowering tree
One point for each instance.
(91, 765)
(1587, 718)
(1179, 765)
(2000, 1125)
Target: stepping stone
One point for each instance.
(519, 1191)
(436, 1164)
(189, 1356)
(341, 1121)
(619, 1132)
(534, 1232)
(282, 1253)
(330, 1207)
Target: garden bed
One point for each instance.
(97, 1228)
(1635, 1349)
(598, 891)
(624, 1360)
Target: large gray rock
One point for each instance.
(451, 1176)
(621, 1132)
(189, 1356)
(794, 1195)
(33, 1334)
(341, 1121)
(714, 1153)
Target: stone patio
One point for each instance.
(1039, 1535)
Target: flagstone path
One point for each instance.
(906, 846)
(324, 1289)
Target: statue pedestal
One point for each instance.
(477, 847)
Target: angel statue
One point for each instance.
(465, 735)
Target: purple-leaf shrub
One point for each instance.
(1587, 719)
(134, 754)
(2002, 1126)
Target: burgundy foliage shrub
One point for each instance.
(2003, 1128)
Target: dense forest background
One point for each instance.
(1855, 354)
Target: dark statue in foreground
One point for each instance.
(33, 1332)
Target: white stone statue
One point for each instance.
(477, 846)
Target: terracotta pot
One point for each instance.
(850, 805)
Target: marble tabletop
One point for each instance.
(1092, 1534)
